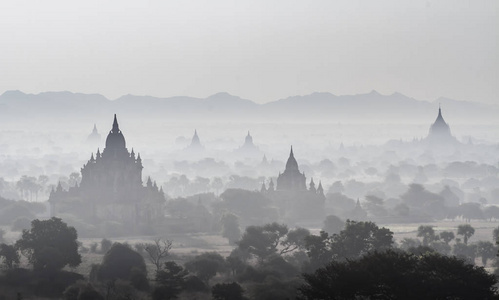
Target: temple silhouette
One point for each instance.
(291, 179)
(248, 149)
(195, 141)
(111, 187)
(94, 137)
(439, 132)
(294, 200)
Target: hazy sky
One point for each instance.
(259, 50)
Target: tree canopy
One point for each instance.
(50, 245)
(400, 275)
(263, 241)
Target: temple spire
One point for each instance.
(115, 124)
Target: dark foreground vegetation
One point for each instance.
(270, 261)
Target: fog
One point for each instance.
(249, 150)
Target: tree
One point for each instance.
(408, 243)
(206, 265)
(295, 239)
(170, 281)
(121, 262)
(359, 238)
(230, 228)
(427, 233)
(447, 236)
(227, 291)
(466, 231)
(333, 224)
(356, 240)
(235, 261)
(263, 241)
(486, 250)
(318, 250)
(10, 255)
(399, 275)
(28, 186)
(158, 251)
(495, 234)
(491, 212)
(471, 211)
(465, 252)
(50, 244)
(441, 247)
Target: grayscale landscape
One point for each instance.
(249, 150)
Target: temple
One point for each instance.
(440, 131)
(294, 200)
(291, 179)
(94, 136)
(195, 142)
(248, 149)
(111, 187)
(248, 141)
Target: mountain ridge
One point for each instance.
(316, 106)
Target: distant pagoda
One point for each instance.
(248, 149)
(291, 179)
(439, 132)
(195, 142)
(294, 201)
(94, 137)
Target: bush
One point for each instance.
(194, 284)
(227, 291)
(81, 290)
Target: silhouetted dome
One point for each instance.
(195, 142)
(115, 139)
(248, 141)
(440, 127)
(439, 134)
(94, 136)
(291, 164)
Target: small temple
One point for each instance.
(291, 179)
(294, 200)
(94, 136)
(195, 142)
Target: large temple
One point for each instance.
(439, 132)
(111, 187)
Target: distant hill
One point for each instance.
(320, 107)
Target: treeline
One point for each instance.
(269, 261)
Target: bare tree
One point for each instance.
(158, 251)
